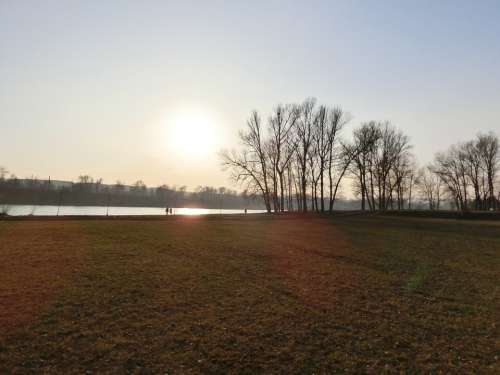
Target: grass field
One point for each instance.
(254, 294)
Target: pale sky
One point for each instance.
(114, 89)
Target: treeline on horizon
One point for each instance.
(298, 157)
(88, 191)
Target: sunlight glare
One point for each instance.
(192, 133)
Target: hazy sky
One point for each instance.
(114, 89)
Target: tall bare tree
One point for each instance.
(304, 133)
(282, 146)
(391, 147)
(319, 154)
(489, 154)
(429, 185)
(366, 138)
(451, 167)
(339, 156)
(250, 165)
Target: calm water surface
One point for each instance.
(23, 210)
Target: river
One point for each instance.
(40, 210)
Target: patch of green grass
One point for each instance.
(416, 280)
(464, 310)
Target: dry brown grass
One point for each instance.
(251, 295)
(38, 260)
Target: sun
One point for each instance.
(192, 133)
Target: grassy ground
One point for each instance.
(255, 294)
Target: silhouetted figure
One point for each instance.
(245, 211)
(170, 210)
(166, 211)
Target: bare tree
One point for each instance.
(339, 157)
(304, 133)
(85, 179)
(470, 169)
(297, 180)
(382, 165)
(314, 174)
(488, 150)
(451, 167)
(429, 185)
(345, 158)
(250, 165)
(98, 184)
(3, 173)
(281, 148)
(390, 148)
(365, 142)
(139, 187)
(403, 173)
(319, 156)
(470, 154)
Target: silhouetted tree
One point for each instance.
(304, 134)
(488, 149)
(429, 185)
(282, 145)
(451, 167)
(250, 164)
(3, 173)
(340, 155)
(366, 138)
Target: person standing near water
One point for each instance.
(166, 211)
(170, 210)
